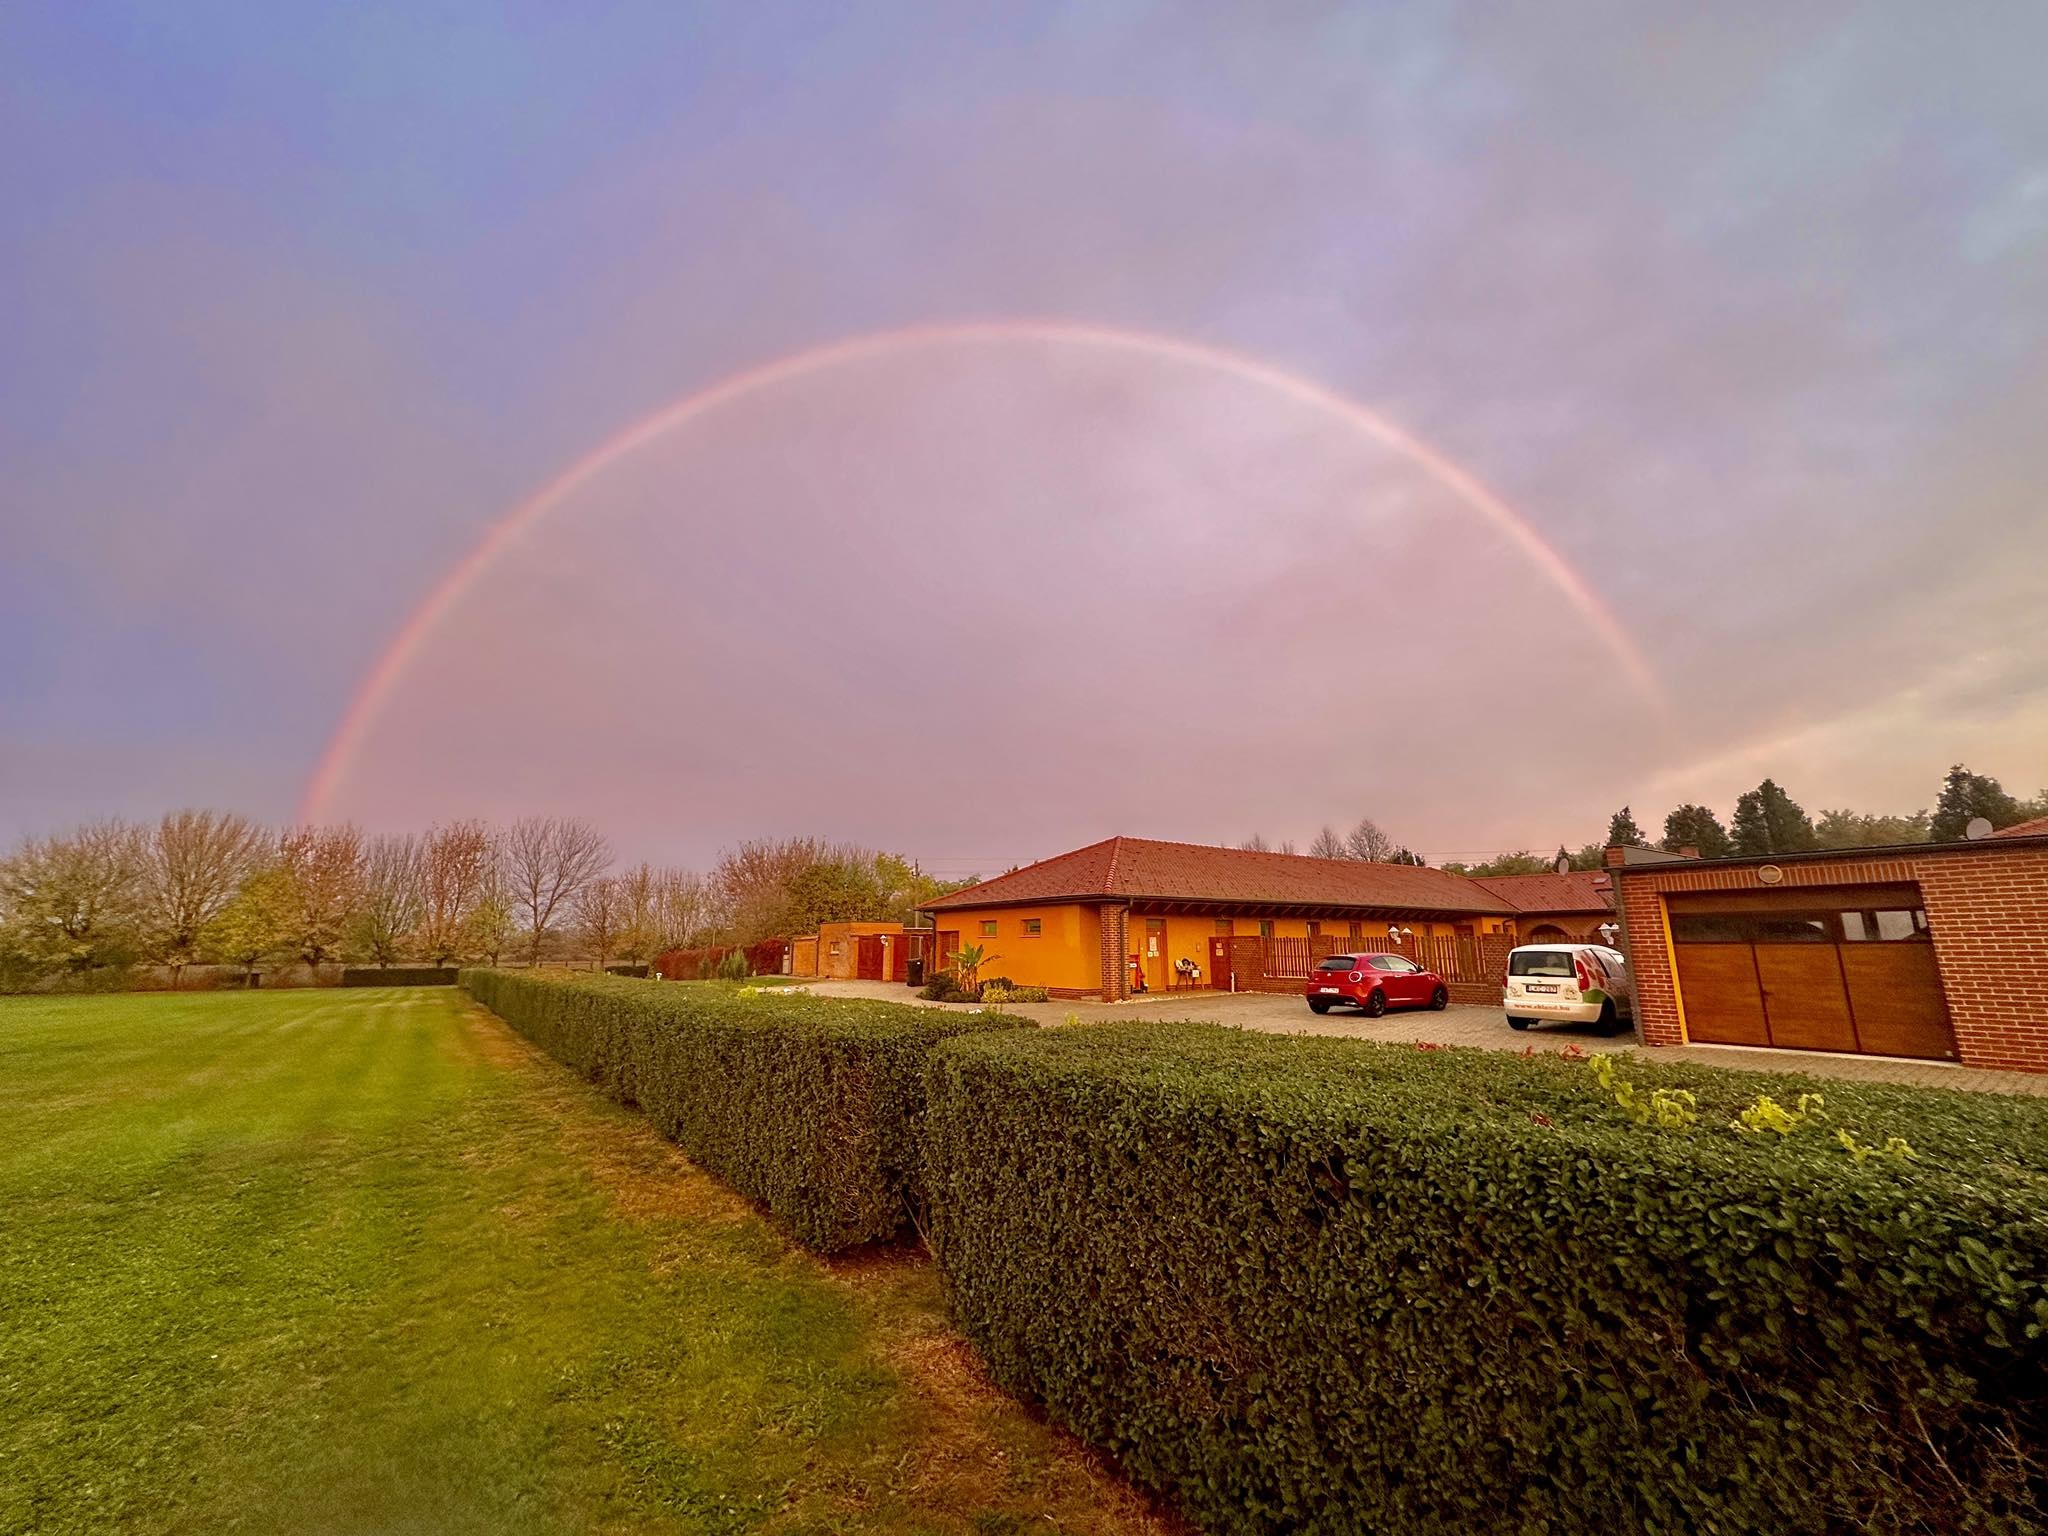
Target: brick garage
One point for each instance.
(1948, 942)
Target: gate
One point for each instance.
(868, 957)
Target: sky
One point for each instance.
(1738, 315)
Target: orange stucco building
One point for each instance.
(1131, 913)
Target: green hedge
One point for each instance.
(813, 1107)
(399, 976)
(1331, 1287)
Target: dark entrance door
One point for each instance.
(868, 957)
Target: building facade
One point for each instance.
(1131, 915)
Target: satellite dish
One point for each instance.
(1564, 864)
(1977, 828)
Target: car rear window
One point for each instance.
(1339, 963)
(1540, 962)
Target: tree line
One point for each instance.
(1768, 820)
(209, 887)
(1765, 820)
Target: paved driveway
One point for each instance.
(1461, 1024)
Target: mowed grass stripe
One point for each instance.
(364, 1261)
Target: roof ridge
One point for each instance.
(1116, 848)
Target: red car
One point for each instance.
(1375, 983)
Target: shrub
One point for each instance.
(733, 967)
(399, 976)
(1325, 1286)
(944, 987)
(1000, 992)
(812, 1106)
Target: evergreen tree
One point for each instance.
(1767, 820)
(1966, 796)
(1694, 826)
(1623, 832)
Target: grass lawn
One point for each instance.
(363, 1260)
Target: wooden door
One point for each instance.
(1724, 1002)
(1895, 995)
(1805, 1004)
(1152, 955)
(1844, 969)
(1219, 962)
(868, 957)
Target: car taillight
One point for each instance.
(1585, 976)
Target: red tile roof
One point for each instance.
(1139, 869)
(1582, 890)
(2038, 827)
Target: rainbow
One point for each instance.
(383, 676)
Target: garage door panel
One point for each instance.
(1804, 999)
(1895, 990)
(1722, 1003)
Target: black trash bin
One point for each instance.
(913, 972)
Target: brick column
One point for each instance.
(1116, 953)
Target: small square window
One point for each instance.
(988, 928)
(1034, 925)
(1265, 927)
(1223, 925)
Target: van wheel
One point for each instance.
(1317, 1005)
(1609, 1024)
(1515, 1023)
(1440, 999)
(1375, 1004)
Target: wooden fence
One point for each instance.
(1471, 965)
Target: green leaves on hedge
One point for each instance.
(811, 1106)
(1318, 1286)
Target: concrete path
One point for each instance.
(1461, 1024)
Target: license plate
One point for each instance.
(1541, 986)
(1333, 991)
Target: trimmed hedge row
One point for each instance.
(813, 1107)
(399, 976)
(1315, 1286)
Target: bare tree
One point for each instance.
(682, 908)
(325, 868)
(639, 903)
(491, 921)
(1287, 847)
(387, 915)
(1328, 845)
(1255, 844)
(1367, 841)
(600, 914)
(548, 860)
(192, 864)
(455, 877)
(74, 900)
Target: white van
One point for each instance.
(1568, 984)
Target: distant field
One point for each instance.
(356, 1261)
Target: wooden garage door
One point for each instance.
(1842, 970)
